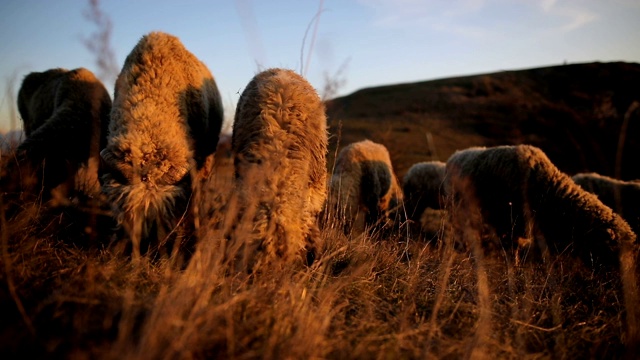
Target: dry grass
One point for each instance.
(64, 295)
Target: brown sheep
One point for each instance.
(623, 197)
(165, 123)
(363, 188)
(65, 115)
(279, 144)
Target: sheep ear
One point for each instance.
(108, 158)
(175, 174)
(114, 165)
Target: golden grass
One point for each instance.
(366, 297)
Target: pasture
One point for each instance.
(71, 293)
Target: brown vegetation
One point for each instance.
(365, 297)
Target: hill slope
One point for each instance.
(573, 112)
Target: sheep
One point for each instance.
(279, 145)
(166, 119)
(423, 189)
(520, 195)
(363, 188)
(621, 196)
(65, 114)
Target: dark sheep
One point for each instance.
(520, 195)
(424, 198)
(423, 187)
(623, 197)
(65, 114)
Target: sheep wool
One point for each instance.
(621, 196)
(363, 188)
(65, 115)
(165, 123)
(423, 187)
(279, 144)
(520, 194)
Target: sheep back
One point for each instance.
(279, 144)
(621, 196)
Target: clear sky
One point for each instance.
(374, 42)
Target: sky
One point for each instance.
(356, 43)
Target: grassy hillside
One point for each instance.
(572, 112)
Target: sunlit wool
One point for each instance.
(166, 120)
(279, 144)
(363, 187)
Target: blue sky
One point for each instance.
(375, 42)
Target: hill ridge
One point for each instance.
(573, 112)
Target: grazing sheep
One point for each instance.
(621, 196)
(363, 188)
(279, 144)
(65, 117)
(423, 188)
(519, 194)
(166, 120)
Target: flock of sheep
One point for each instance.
(146, 153)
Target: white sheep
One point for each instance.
(364, 190)
(65, 114)
(165, 123)
(623, 197)
(279, 144)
